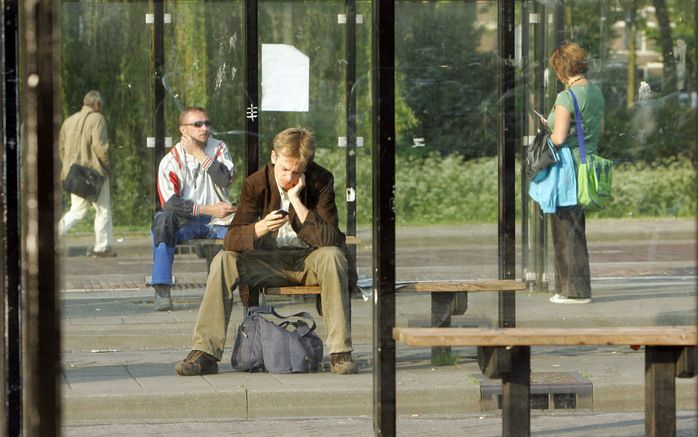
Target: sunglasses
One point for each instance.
(206, 123)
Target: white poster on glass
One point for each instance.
(285, 78)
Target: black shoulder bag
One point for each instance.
(83, 181)
(541, 154)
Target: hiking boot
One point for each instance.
(162, 300)
(197, 363)
(341, 363)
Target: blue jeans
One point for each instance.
(163, 255)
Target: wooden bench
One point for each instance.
(447, 298)
(670, 352)
(206, 248)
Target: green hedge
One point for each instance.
(439, 191)
(449, 190)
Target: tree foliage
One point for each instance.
(446, 86)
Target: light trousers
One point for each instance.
(103, 224)
(324, 266)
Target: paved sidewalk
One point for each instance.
(119, 355)
(578, 424)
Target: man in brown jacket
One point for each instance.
(265, 247)
(83, 140)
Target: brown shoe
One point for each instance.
(197, 363)
(341, 363)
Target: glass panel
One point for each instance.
(105, 47)
(446, 119)
(204, 67)
(306, 34)
(643, 239)
(641, 246)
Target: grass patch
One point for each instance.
(444, 359)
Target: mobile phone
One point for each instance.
(283, 212)
(538, 114)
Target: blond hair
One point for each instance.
(568, 60)
(296, 142)
(187, 111)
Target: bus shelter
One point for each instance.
(423, 111)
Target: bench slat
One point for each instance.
(464, 286)
(350, 239)
(649, 336)
(425, 287)
(296, 289)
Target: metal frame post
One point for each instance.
(10, 269)
(41, 322)
(251, 79)
(383, 91)
(159, 90)
(506, 149)
(350, 95)
(539, 222)
(524, 123)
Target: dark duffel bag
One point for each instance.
(291, 346)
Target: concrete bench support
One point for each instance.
(506, 354)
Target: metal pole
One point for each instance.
(506, 148)
(524, 117)
(538, 221)
(11, 267)
(159, 103)
(251, 86)
(41, 321)
(383, 90)
(350, 94)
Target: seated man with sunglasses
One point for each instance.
(193, 182)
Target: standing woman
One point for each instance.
(572, 277)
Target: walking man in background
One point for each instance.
(83, 140)
(193, 182)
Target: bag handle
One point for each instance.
(580, 130)
(78, 158)
(270, 310)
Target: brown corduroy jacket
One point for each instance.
(260, 196)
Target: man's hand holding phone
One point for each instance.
(275, 219)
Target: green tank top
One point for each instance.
(591, 107)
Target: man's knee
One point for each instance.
(331, 256)
(225, 261)
(226, 256)
(78, 213)
(163, 219)
(164, 228)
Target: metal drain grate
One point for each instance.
(549, 391)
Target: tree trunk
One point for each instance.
(667, 46)
(631, 23)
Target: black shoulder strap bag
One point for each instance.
(83, 181)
